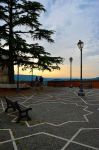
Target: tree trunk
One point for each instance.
(11, 46)
(11, 72)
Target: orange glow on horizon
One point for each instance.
(64, 72)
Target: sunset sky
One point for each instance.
(73, 20)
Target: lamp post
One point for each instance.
(32, 77)
(80, 45)
(71, 59)
(18, 61)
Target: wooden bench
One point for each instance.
(22, 110)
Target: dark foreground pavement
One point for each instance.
(60, 121)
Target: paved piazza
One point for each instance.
(61, 120)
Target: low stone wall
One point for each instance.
(13, 86)
(75, 83)
(6, 85)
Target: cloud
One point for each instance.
(73, 20)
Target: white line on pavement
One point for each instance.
(73, 137)
(13, 140)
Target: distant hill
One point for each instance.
(29, 78)
(24, 77)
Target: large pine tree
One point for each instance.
(19, 18)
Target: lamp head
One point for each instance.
(80, 44)
(71, 59)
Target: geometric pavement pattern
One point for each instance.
(61, 120)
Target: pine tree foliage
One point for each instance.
(19, 19)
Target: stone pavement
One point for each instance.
(61, 120)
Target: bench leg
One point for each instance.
(28, 118)
(6, 109)
(19, 118)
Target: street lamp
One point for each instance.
(80, 45)
(32, 77)
(71, 59)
